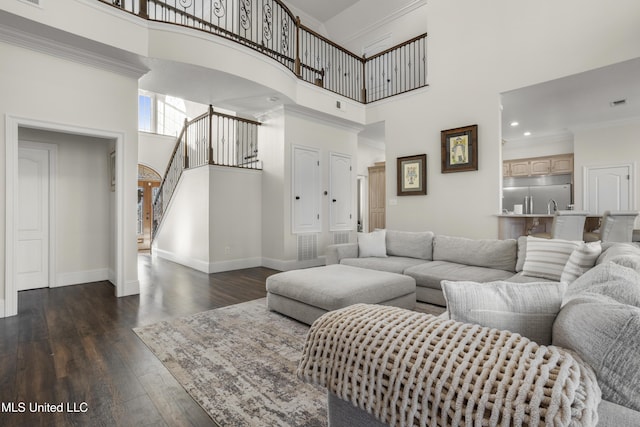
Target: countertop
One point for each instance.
(535, 216)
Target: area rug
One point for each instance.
(239, 364)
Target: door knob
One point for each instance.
(297, 197)
(334, 200)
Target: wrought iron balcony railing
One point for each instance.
(269, 27)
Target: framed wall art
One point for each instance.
(460, 149)
(412, 175)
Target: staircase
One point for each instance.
(210, 139)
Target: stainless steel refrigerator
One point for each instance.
(541, 195)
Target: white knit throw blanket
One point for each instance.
(408, 368)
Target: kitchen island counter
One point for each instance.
(512, 226)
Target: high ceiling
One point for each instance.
(321, 10)
(560, 106)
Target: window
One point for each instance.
(171, 114)
(160, 114)
(145, 113)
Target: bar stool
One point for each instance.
(617, 226)
(566, 225)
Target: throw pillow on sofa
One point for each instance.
(546, 258)
(528, 309)
(372, 244)
(604, 333)
(582, 259)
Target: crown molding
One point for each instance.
(606, 124)
(320, 117)
(48, 46)
(389, 18)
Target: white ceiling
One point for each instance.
(321, 10)
(563, 105)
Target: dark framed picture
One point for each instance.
(460, 149)
(412, 175)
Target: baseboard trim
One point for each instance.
(236, 264)
(286, 265)
(78, 277)
(196, 264)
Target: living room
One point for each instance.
(475, 53)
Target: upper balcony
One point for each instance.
(270, 28)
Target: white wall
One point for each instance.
(36, 86)
(83, 205)
(609, 144)
(369, 153)
(235, 215)
(488, 51)
(214, 221)
(370, 21)
(538, 147)
(183, 236)
(155, 150)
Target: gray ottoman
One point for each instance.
(307, 294)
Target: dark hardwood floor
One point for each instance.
(75, 345)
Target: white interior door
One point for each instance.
(32, 246)
(608, 188)
(306, 190)
(340, 192)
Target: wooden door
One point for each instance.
(147, 191)
(377, 196)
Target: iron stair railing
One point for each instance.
(210, 139)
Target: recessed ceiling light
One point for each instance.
(527, 133)
(514, 124)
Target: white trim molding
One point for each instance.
(12, 124)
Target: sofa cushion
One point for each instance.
(620, 283)
(489, 253)
(581, 260)
(521, 278)
(430, 274)
(522, 253)
(372, 244)
(393, 264)
(612, 250)
(546, 258)
(410, 244)
(528, 309)
(604, 333)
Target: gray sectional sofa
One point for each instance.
(598, 317)
(431, 258)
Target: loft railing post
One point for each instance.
(363, 91)
(211, 162)
(143, 9)
(297, 63)
(186, 146)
